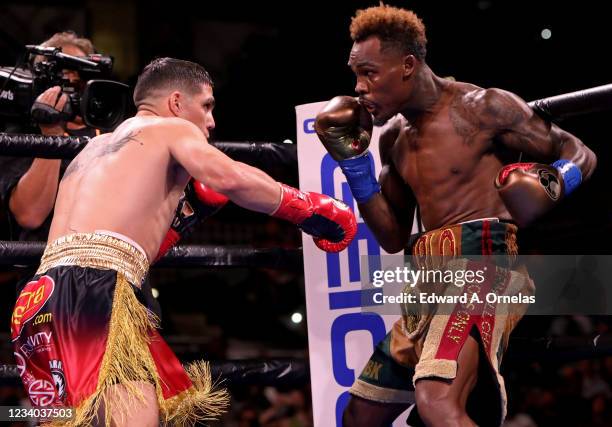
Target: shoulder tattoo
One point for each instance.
(482, 110)
(97, 150)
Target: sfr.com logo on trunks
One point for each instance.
(43, 318)
(36, 343)
(31, 300)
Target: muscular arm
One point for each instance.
(519, 128)
(389, 214)
(244, 185)
(33, 197)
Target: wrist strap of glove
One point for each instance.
(572, 176)
(295, 205)
(360, 177)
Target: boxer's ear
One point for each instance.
(409, 65)
(174, 103)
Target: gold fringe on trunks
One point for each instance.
(127, 360)
(200, 403)
(435, 368)
(96, 250)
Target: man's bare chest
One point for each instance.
(436, 150)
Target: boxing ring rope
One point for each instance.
(559, 107)
(280, 372)
(29, 254)
(586, 101)
(67, 147)
(273, 155)
(295, 372)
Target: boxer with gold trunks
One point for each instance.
(447, 146)
(421, 346)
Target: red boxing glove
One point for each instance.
(198, 202)
(331, 222)
(209, 200)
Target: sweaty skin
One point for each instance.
(98, 189)
(130, 181)
(448, 158)
(444, 143)
(442, 146)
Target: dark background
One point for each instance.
(267, 57)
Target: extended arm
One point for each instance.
(244, 185)
(331, 222)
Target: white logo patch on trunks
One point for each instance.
(42, 393)
(58, 378)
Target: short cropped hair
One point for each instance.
(170, 73)
(66, 38)
(396, 28)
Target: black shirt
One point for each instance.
(11, 171)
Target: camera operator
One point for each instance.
(28, 186)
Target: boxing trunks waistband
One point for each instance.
(488, 236)
(101, 250)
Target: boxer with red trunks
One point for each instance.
(82, 335)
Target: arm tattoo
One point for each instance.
(476, 111)
(97, 150)
(464, 119)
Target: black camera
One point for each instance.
(102, 103)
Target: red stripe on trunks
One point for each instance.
(464, 316)
(486, 242)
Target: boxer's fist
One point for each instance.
(197, 203)
(344, 127)
(204, 200)
(529, 190)
(329, 221)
